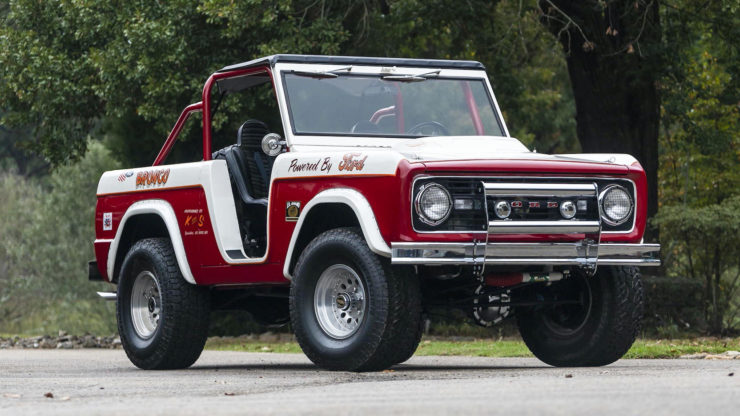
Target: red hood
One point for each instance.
(538, 167)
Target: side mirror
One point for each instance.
(272, 144)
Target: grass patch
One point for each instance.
(643, 348)
(476, 348)
(674, 348)
(246, 344)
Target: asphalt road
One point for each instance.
(86, 382)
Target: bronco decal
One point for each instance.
(152, 178)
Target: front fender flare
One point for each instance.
(363, 211)
(164, 210)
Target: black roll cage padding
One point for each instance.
(239, 134)
(233, 163)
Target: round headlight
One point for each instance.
(615, 204)
(433, 203)
(502, 209)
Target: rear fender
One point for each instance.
(164, 210)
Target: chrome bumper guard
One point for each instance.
(582, 253)
(587, 253)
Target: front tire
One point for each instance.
(596, 332)
(348, 306)
(162, 319)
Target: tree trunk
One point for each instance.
(617, 111)
(613, 76)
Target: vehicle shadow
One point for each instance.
(275, 366)
(462, 367)
(402, 368)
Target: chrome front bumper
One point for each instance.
(583, 253)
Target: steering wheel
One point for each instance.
(429, 128)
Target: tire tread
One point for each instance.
(391, 341)
(614, 331)
(186, 307)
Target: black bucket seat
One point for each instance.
(249, 170)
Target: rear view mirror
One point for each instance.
(272, 144)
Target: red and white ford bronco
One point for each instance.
(349, 196)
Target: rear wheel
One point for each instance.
(162, 319)
(347, 306)
(597, 330)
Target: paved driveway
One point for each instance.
(103, 382)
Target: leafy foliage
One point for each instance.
(705, 245)
(45, 249)
(68, 65)
(699, 175)
(19, 160)
(126, 69)
(701, 119)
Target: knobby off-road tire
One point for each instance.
(168, 324)
(595, 336)
(403, 332)
(338, 265)
(412, 325)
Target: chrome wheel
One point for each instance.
(146, 304)
(339, 301)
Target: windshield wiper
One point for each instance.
(410, 77)
(322, 74)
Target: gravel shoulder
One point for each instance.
(97, 381)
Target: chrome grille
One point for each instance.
(535, 208)
(548, 189)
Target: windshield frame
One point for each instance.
(379, 72)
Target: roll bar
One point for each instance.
(203, 106)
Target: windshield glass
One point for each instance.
(368, 105)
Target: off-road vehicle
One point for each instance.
(348, 196)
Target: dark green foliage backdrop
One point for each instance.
(107, 79)
(126, 69)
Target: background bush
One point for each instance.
(704, 245)
(47, 228)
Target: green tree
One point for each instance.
(613, 52)
(126, 69)
(45, 249)
(700, 154)
(15, 158)
(71, 67)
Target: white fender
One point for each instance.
(362, 210)
(165, 211)
(212, 176)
